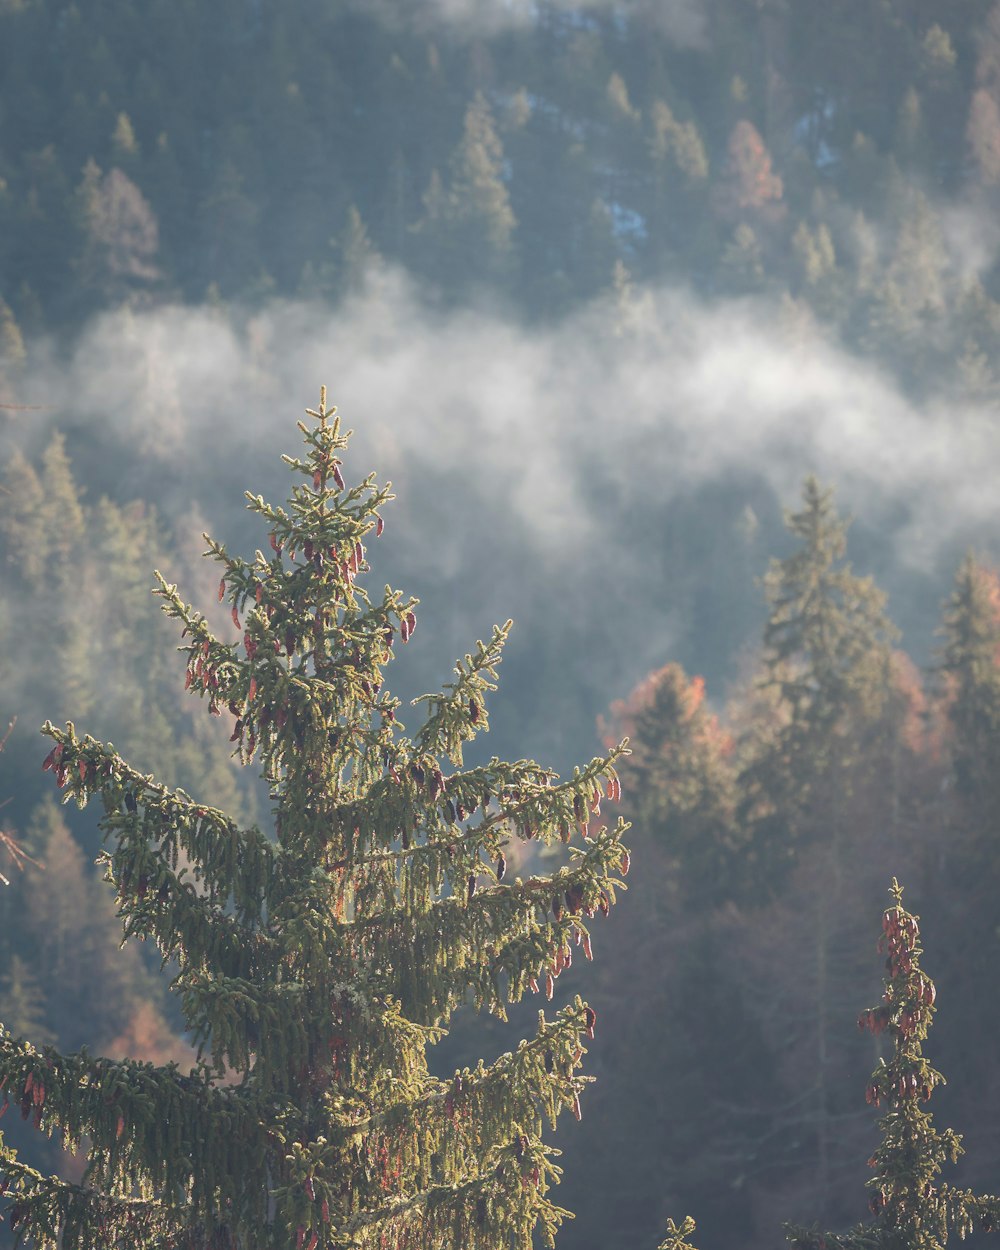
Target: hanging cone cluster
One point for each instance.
(911, 1209)
(315, 966)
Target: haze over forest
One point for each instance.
(598, 286)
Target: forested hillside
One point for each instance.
(605, 288)
(844, 156)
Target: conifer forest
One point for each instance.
(499, 624)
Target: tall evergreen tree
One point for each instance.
(680, 781)
(480, 198)
(970, 662)
(468, 229)
(667, 1093)
(316, 967)
(826, 666)
(826, 661)
(968, 872)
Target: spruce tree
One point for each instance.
(968, 869)
(680, 784)
(911, 1208)
(970, 663)
(480, 203)
(315, 967)
(827, 671)
(826, 663)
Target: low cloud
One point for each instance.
(683, 22)
(672, 395)
(534, 467)
(972, 235)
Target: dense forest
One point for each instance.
(636, 303)
(845, 159)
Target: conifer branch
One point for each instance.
(232, 862)
(555, 1048)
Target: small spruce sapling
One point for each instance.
(316, 966)
(678, 1234)
(911, 1209)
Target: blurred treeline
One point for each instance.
(732, 1084)
(844, 155)
(730, 1068)
(82, 639)
(841, 157)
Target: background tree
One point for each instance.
(826, 664)
(315, 969)
(826, 659)
(78, 635)
(983, 137)
(680, 787)
(749, 187)
(681, 1073)
(965, 870)
(122, 234)
(970, 665)
(469, 227)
